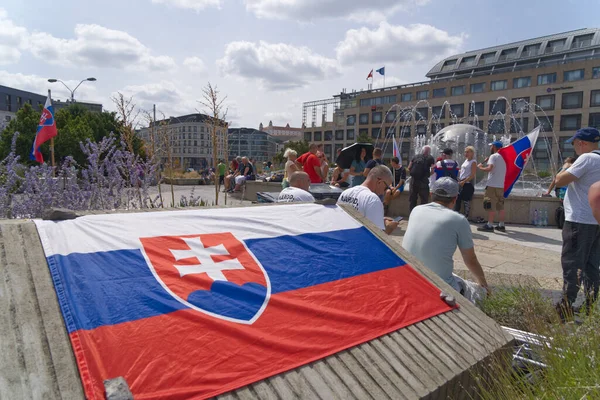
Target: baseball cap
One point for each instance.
(448, 152)
(587, 135)
(445, 187)
(498, 144)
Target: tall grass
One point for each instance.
(571, 353)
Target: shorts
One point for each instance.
(495, 196)
(239, 180)
(221, 179)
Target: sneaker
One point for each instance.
(500, 228)
(486, 228)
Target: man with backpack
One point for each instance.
(420, 169)
(581, 232)
(447, 167)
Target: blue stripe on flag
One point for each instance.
(106, 288)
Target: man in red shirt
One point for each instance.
(311, 164)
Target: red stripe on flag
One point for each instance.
(187, 354)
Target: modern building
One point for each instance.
(252, 143)
(495, 88)
(11, 100)
(188, 139)
(284, 133)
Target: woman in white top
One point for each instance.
(465, 179)
(290, 166)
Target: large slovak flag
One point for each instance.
(46, 130)
(192, 304)
(516, 156)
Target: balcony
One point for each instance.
(582, 43)
(554, 49)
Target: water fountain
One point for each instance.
(465, 130)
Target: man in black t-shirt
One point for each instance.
(399, 175)
(420, 169)
(377, 154)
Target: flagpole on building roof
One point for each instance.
(51, 140)
(384, 86)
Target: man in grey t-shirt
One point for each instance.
(435, 230)
(581, 232)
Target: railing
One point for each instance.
(582, 43)
(554, 49)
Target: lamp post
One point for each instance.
(52, 80)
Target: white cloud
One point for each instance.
(194, 64)
(397, 44)
(40, 85)
(276, 66)
(196, 5)
(169, 99)
(11, 39)
(311, 10)
(97, 46)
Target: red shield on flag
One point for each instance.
(214, 274)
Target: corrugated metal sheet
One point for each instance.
(430, 359)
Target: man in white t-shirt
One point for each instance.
(365, 198)
(298, 189)
(493, 200)
(434, 232)
(581, 232)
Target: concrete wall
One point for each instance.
(519, 210)
(253, 187)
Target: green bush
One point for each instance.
(544, 174)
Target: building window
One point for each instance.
(363, 132)
(406, 97)
(328, 136)
(499, 85)
(595, 98)
(497, 106)
(458, 90)
(570, 122)
(541, 154)
(8, 103)
(435, 128)
(478, 88)
(496, 126)
(523, 82)
(376, 101)
(424, 94)
(201, 129)
(390, 116)
(595, 120)
(327, 150)
(508, 54)
(422, 113)
(376, 117)
(546, 122)
(363, 119)
(391, 131)
(405, 131)
(375, 133)
(476, 109)
(351, 120)
(421, 130)
(518, 125)
(545, 103)
(575, 75)
(339, 135)
(338, 147)
(520, 105)
(458, 110)
(441, 92)
(350, 134)
(318, 136)
(547, 79)
(596, 73)
(195, 143)
(438, 113)
(195, 129)
(566, 149)
(572, 100)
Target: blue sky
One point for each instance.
(267, 56)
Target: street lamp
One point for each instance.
(52, 80)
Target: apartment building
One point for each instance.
(494, 88)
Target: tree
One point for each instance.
(364, 138)
(26, 124)
(217, 114)
(301, 147)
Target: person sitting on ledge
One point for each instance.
(435, 230)
(298, 189)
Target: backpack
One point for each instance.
(452, 173)
(419, 170)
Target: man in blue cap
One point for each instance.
(581, 232)
(493, 199)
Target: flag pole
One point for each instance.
(384, 86)
(52, 140)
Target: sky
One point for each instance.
(266, 56)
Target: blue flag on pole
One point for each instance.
(381, 71)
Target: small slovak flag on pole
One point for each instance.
(46, 130)
(396, 148)
(370, 76)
